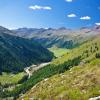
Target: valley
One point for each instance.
(50, 50)
(49, 71)
(58, 52)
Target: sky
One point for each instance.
(49, 13)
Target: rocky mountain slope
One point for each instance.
(61, 37)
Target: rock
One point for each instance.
(46, 79)
(95, 98)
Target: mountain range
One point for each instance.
(61, 37)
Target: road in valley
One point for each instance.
(31, 69)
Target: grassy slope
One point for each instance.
(81, 50)
(79, 83)
(87, 51)
(58, 52)
(8, 78)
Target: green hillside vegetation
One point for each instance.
(9, 78)
(41, 74)
(58, 52)
(17, 53)
(79, 83)
(83, 54)
(87, 50)
(8, 81)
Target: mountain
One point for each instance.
(61, 37)
(16, 53)
(47, 37)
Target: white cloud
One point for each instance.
(85, 18)
(71, 15)
(68, 0)
(97, 24)
(37, 7)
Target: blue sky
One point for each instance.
(49, 13)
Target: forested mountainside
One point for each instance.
(61, 37)
(16, 53)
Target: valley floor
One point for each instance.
(58, 52)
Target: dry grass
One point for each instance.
(79, 83)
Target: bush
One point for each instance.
(97, 55)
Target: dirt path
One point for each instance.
(31, 69)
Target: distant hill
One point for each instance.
(61, 37)
(16, 53)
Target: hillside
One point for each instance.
(72, 78)
(87, 50)
(61, 37)
(83, 54)
(79, 83)
(16, 53)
